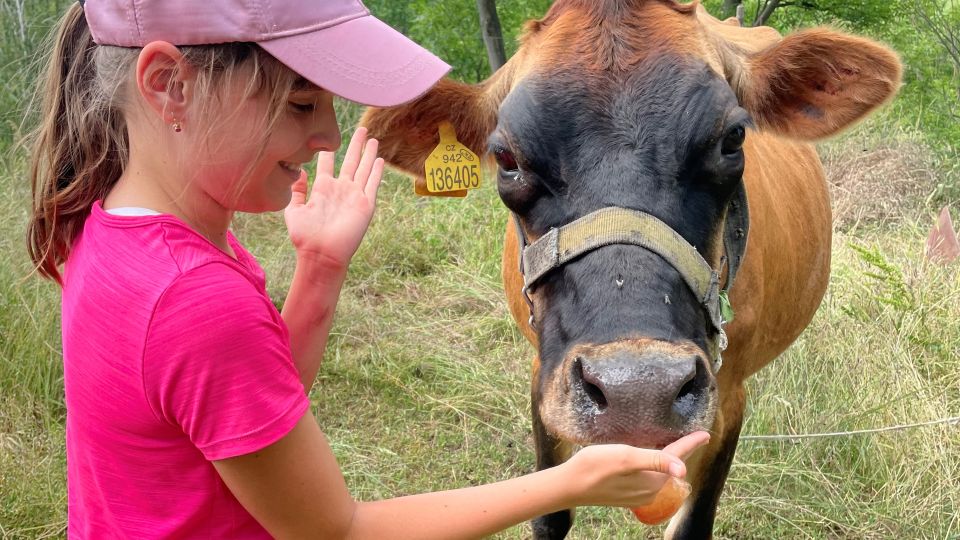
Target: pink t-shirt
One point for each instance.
(174, 356)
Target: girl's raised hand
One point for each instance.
(330, 224)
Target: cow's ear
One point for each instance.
(816, 82)
(409, 133)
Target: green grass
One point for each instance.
(425, 382)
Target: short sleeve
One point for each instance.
(217, 363)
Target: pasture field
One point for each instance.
(425, 383)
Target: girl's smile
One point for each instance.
(292, 169)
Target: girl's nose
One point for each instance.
(325, 135)
(326, 139)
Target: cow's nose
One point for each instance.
(646, 387)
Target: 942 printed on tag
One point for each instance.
(451, 166)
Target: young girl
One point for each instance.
(186, 391)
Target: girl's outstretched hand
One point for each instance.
(331, 223)
(621, 475)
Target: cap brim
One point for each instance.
(363, 60)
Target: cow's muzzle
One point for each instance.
(640, 392)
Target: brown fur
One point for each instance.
(593, 32)
(450, 101)
(805, 86)
(835, 80)
(472, 109)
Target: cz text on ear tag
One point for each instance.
(451, 166)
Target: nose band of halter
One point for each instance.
(613, 225)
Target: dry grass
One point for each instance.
(878, 182)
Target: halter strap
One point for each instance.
(614, 225)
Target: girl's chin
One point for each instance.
(281, 201)
(273, 202)
(274, 205)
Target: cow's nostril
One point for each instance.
(687, 389)
(686, 401)
(589, 388)
(595, 395)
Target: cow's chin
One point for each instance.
(576, 419)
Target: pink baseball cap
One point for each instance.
(335, 44)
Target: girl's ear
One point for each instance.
(163, 78)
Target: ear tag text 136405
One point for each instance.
(451, 166)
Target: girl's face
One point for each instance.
(244, 169)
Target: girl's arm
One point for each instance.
(308, 312)
(326, 230)
(295, 489)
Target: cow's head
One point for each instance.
(643, 105)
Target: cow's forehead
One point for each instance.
(615, 35)
(678, 96)
(612, 73)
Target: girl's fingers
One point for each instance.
(684, 446)
(661, 462)
(373, 183)
(325, 164)
(299, 190)
(352, 158)
(366, 163)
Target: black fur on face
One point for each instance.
(663, 139)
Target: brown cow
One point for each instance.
(632, 115)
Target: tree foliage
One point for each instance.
(790, 13)
(941, 20)
(451, 28)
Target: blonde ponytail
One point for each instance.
(80, 144)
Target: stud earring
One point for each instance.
(177, 128)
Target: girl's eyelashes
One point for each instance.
(307, 107)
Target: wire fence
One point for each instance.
(800, 436)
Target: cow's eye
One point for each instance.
(733, 140)
(506, 160)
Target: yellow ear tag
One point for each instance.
(451, 166)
